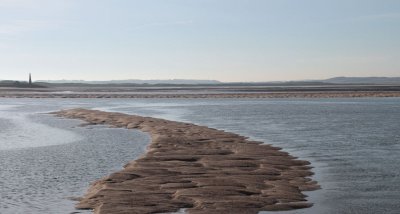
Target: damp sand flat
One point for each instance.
(195, 167)
(224, 95)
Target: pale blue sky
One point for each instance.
(227, 40)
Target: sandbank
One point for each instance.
(202, 169)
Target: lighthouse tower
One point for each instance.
(30, 79)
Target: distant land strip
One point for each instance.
(201, 169)
(322, 94)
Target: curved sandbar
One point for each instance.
(195, 167)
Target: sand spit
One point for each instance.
(195, 167)
(323, 94)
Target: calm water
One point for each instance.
(46, 160)
(354, 145)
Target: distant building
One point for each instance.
(30, 79)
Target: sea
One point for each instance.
(353, 144)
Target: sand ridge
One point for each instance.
(202, 169)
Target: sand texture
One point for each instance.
(198, 168)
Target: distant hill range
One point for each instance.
(362, 80)
(136, 81)
(335, 80)
(188, 82)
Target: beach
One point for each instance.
(351, 143)
(201, 92)
(200, 96)
(199, 107)
(198, 168)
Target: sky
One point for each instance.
(226, 40)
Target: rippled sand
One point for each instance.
(195, 167)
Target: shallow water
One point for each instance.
(353, 143)
(46, 160)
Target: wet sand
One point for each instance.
(216, 95)
(195, 167)
(311, 91)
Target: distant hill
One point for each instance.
(195, 83)
(136, 81)
(362, 80)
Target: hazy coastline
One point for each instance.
(193, 91)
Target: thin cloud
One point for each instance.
(23, 26)
(346, 59)
(29, 4)
(16, 3)
(379, 17)
(161, 24)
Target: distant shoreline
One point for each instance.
(309, 91)
(253, 95)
